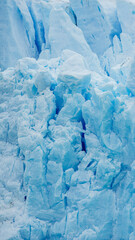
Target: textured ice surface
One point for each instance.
(127, 8)
(93, 22)
(17, 35)
(67, 120)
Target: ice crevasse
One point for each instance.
(67, 120)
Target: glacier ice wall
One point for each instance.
(17, 35)
(67, 120)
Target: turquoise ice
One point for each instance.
(67, 120)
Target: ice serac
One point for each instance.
(17, 35)
(63, 34)
(75, 72)
(110, 10)
(40, 11)
(118, 61)
(126, 15)
(92, 20)
(67, 129)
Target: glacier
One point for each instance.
(67, 120)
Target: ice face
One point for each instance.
(17, 34)
(127, 8)
(67, 122)
(68, 36)
(94, 24)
